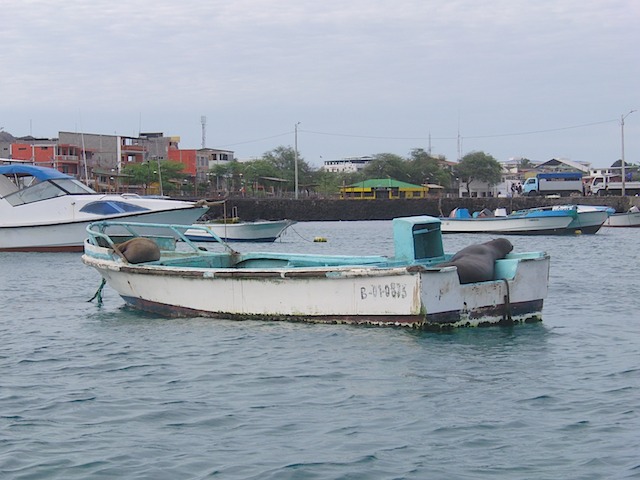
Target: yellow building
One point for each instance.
(382, 188)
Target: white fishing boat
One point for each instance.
(416, 287)
(259, 231)
(586, 219)
(533, 223)
(42, 209)
(630, 218)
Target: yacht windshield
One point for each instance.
(35, 193)
(73, 186)
(47, 190)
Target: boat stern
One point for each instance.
(515, 295)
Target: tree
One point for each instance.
(234, 168)
(329, 183)
(228, 175)
(479, 166)
(387, 165)
(424, 169)
(146, 173)
(284, 159)
(220, 172)
(255, 171)
(525, 164)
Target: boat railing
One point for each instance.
(100, 230)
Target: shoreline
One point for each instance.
(318, 209)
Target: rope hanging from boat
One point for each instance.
(98, 294)
(296, 232)
(507, 301)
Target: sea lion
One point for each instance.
(476, 263)
(139, 250)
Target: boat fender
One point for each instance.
(139, 250)
(476, 263)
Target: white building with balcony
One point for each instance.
(346, 165)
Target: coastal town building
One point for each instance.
(382, 188)
(99, 159)
(347, 165)
(198, 162)
(562, 165)
(513, 176)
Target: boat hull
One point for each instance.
(583, 219)
(507, 225)
(588, 222)
(414, 296)
(490, 315)
(629, 219)
(264, 231)
(69, 236)
(44, 210)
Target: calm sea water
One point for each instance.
(90, 391)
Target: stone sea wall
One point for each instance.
(311, 209)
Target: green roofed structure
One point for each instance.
(382, 188)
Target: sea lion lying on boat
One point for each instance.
(139, 250)
(476, 263)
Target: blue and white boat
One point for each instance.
(586, 219)
(44, 210)
(525, 223)
(411, 288)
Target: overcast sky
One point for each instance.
(539, 79)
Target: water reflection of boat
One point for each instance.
(42, 209)
(259, 231)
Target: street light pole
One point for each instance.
(622, 117)
(160, 178)
(295, 160)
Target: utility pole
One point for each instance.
(459, 140)
(295, 159)
(622, 117)
(203, 121)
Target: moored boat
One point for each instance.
(586, 219)
(258, 231)
(42, 209)
(533, 223)
(417, 287)
(630, 218)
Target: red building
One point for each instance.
(186, 157)
(66, 158)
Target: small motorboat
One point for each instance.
(527, 223)
(630, 218)
(259, 231)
